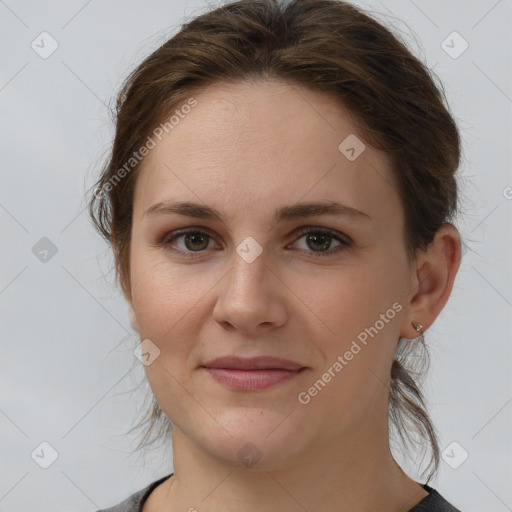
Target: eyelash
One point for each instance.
(173, 235)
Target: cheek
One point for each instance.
(168, 308)
(164, 293)
(358, 315)
(172, 306)
(357, 352)
(345, 301)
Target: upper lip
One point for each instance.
(253, 363)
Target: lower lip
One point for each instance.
(252, 380)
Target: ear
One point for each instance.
(131, 312)
(432, 280)
(133, 318)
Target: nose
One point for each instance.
(251, 298)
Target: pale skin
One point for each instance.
(247, 150)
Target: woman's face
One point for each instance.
(327, 291)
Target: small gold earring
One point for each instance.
(419, 328)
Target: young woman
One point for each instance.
(279, 200)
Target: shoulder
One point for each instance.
(434, 502)
(134, 502)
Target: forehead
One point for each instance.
(267, 142)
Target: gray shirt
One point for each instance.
(434, 502)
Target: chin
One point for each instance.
(258, 439)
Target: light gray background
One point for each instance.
(67, 368)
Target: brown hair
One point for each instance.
(325, 45)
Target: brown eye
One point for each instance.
(192, 241)
(319, 241)
(195, 241)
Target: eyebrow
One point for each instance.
(291, 212)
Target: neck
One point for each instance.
(359, 475)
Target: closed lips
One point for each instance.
(252, 374)
(254, 363)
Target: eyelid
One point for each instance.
(342, 237)
(344, 240)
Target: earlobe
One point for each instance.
(133, 318)
(433, 279)
(126, 289)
